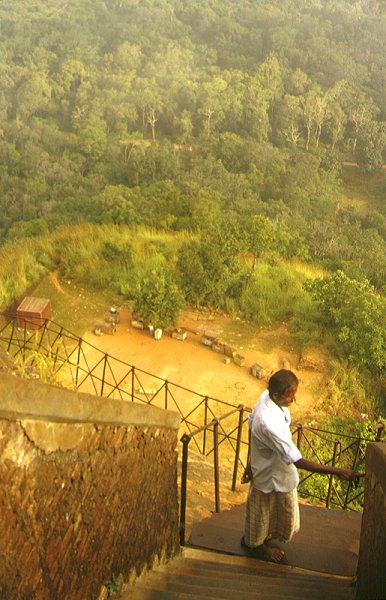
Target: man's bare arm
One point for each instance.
(313, 467)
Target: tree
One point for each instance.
(116, 204)
(357, 314)
(256, 103)
(148, 97)
(259, 235)
(359, 115)
(208, 267)
(337, 123)
(92, 137)
(192, 272)
(212, 103)
(157, 298)
(33, 94)
(288, 120)
(323, 108)
(371, 145)
(316, 110)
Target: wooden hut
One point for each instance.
(33, 312)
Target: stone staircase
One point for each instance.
(203, 575)
(319, 564)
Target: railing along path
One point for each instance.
(75, 363)
(86, 368)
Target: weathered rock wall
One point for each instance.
(88, 489)
(372, 551)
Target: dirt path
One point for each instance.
(55, 281)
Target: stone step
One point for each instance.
(316, 523)
(230, 572)
(207, 575)
(142, 594)
(219, 586)
(165, 587)
(252, 565)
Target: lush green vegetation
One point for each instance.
(169, 113)
(221, 124)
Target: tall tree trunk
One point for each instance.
(152, 120)
(209, 114)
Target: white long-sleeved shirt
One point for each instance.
(273, 452)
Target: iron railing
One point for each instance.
(73, 362)
(236, 442)
(335, 449)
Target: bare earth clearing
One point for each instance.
(191, 364)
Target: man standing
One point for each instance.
(272, 505)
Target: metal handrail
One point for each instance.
(65, 348)
(217, 420)
(186, 439)
(72, 356)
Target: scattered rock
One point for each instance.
(285, 364)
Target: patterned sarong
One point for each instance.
(275, 514)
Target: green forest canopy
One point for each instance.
(170, 113)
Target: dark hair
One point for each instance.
(281, 381)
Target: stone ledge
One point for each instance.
(27, 399)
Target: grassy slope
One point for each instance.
(76, 307)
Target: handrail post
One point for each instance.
(216, 466)
(43, 331)
(59, 337)
(24, 341)
(238, 444)
(299, 436)
(205, 424)
(328, 499)
(184, 477)
(103, 374)
(354, 466)
(12, 334)
(132, 382)
(78, 361)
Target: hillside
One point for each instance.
(180, 155)
(184, 116)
